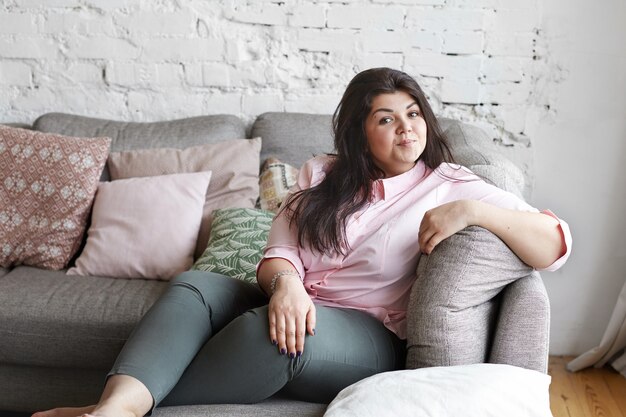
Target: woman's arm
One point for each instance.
(291, 311)
(535, 238)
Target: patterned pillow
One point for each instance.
(47, 185)
(274, 183)
(238, 237)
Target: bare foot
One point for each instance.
(65, 412)
(90, 411)
(108, 411)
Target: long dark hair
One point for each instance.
(320, 212)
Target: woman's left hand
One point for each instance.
(444, 221)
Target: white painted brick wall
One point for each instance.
(77, 23)
(477, 60)
(15, 74)
(359, 17)
(18, 23)
(149, 22)
(308, 15)
(63, 74)
(466, 43)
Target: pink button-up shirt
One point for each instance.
(377, 274)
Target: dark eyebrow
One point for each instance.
(391, 111)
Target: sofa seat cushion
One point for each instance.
(52, 319)
(269, 408)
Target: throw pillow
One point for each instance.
(478, 390)
(234, 163)
(47, 184)
(274, 183)
(144, 227)
(238, 237)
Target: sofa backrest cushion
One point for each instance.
(179, 134)
(293, 138)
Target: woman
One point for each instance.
(337, 270)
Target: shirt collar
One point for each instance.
(387, 188)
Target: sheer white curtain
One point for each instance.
(612, 347)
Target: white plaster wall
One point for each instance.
(580, 155)
(511, 67)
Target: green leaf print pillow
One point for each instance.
(238, 237)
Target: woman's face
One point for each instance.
(396, 132)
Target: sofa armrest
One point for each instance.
(453, 304)
(522, 332)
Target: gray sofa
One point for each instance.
(59, 334)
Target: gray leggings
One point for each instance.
(206, 341)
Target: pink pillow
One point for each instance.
(234, 163)
(144, 227)
(47, 184)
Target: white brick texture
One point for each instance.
(480, 60)
(18, 23)
(359, 17)
(15, 73)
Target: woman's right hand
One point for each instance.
(291, 315)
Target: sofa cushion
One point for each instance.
(234, 164)
(296, 137)
(268, 408)
(275, 180)
(293, 138)
(238, 237)
(52, 319)
(27, 389)
(144, 227)
(474, 149)
(48, 184)
(180, 134)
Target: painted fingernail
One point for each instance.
(298, 353)
(274, 342)
(313, 332)
(292, 355)
(283, 351)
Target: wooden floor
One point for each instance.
(588, 393)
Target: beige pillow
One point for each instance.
(47, 184)
(274, 183)
(234, 163)
(144, 227)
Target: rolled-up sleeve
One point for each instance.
(283, 243)
(283, 238)
(566, 237)
(474, 188)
